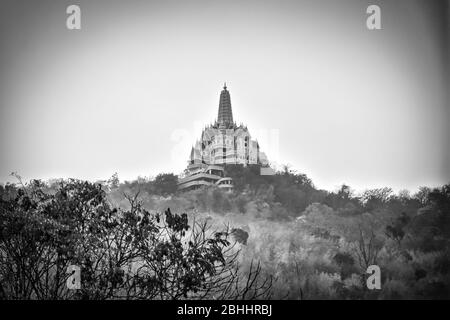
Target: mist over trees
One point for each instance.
(122, 254)
(300, 242)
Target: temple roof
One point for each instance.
(225, 116)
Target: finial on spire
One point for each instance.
(225, 85)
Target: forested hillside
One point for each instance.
(296, 241)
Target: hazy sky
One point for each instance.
(131, 91)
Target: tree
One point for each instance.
(396, 231)
(114, 181)
(130, 254)
(165, 184)
(376, 198)
(345, 192)
(422, 195)
(363, 233)
(430, 228)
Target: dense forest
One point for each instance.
(272, 237)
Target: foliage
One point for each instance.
(308, 243)
(165, 184)
(123, 254)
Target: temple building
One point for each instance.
(222, 143)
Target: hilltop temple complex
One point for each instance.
(222, 143)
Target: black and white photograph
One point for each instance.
(218, 150)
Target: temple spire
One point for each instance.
(225, 116)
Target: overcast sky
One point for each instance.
(131, 91)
